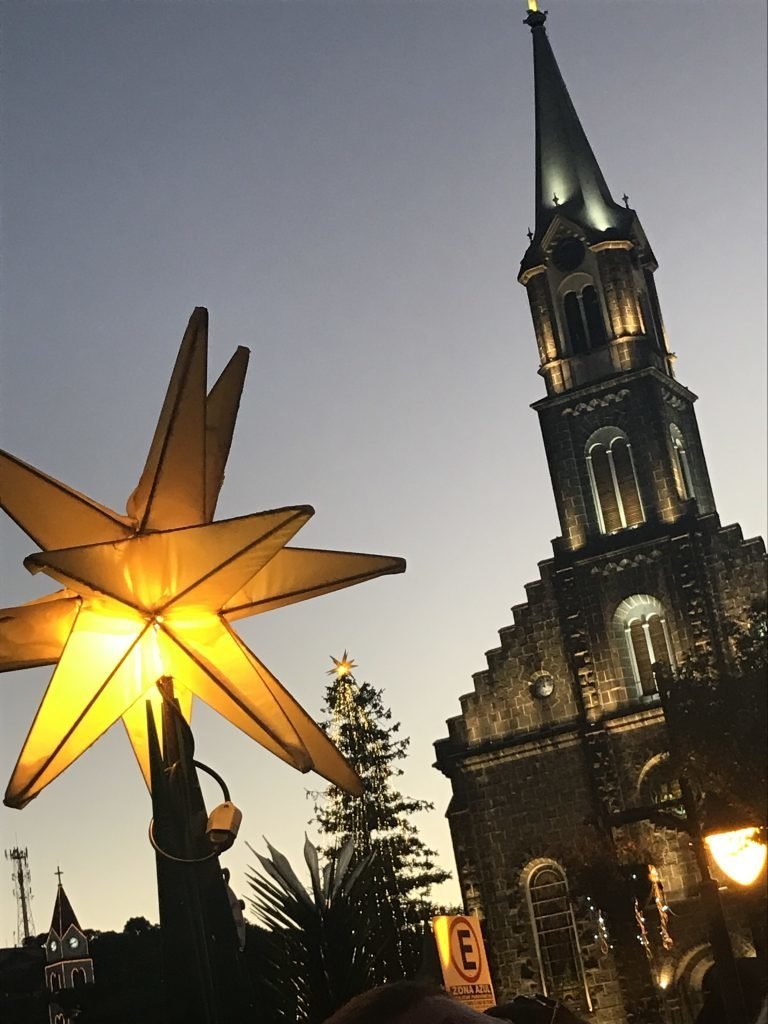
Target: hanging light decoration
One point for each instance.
(657, 892)
(154, 593)
(642, 931)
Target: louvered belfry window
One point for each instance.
(614, 483)
(584, 320)
(577, 333)
(557, 944)
(594, 316)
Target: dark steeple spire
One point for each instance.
(588, 268)
(568, 177)
(63, 914)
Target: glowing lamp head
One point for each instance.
(740, 854)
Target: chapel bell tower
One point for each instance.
(68, 963)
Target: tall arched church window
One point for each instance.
(613, 480)
(78, 977)
(642, 622)
(685, 480)
(555, 935)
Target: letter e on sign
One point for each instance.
(465, 949)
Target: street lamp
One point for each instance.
(736, 843)
(739, 853)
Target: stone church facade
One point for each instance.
(563, 732)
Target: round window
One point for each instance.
(542, 685)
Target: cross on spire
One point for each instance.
(58, 872)
(625, 200)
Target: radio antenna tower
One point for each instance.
(22, 890)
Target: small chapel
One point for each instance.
(68, 963)
(563, 733)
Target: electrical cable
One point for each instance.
(163, 685)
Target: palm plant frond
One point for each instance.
(319, 953)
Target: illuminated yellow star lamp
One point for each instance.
(155, 592)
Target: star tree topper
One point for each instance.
(154, 593)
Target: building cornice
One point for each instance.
(571, 399)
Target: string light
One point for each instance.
(642, 933)
(657, 892)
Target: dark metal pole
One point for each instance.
(203, 976)
(726, 971)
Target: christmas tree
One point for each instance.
(381, 822)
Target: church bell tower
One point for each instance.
(561, 744)
(627, 454)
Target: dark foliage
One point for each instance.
(127, 987)
(718, 715)
(319, 949)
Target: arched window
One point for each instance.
(577, 334)
(685, 481)
(555, 934)
(55, 981)
(613, 480)
(594, 316)
(78, 977)
(659, 783)
(584, 320)
(643, 624)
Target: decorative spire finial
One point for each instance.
(536, 18)
(530, 235)
(625, 200)
(58, 872)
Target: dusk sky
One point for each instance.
(346, 185)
